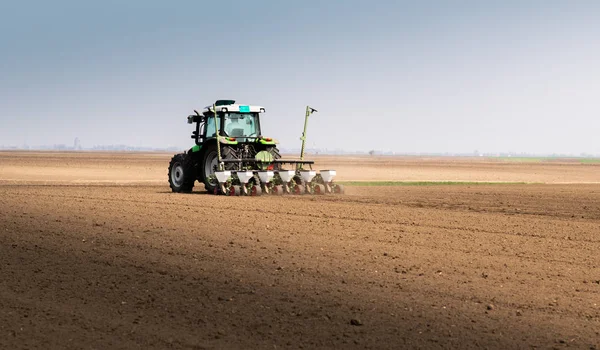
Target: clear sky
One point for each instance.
(404, 76)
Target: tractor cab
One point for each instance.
(244, 127)
(234, 121)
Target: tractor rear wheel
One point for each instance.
(210, 164)
(182, 174)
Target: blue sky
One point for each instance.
(404, 76)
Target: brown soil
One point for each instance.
(149, 168)
(102, 259)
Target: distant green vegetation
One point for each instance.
(424, 183)
(549, 159)
(526, 159)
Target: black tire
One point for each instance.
(209, 160)
(210, 163)
(228, 153)
(182, 174)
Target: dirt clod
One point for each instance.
(356, 322)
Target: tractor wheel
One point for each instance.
(182, 174)
(210, 163)
(235, 190)
(255, 190)
(277, 190)
(299, 189)
(319, 189)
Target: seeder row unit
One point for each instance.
(276, 182)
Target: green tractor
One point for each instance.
(231, 156)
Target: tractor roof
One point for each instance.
(231, 106)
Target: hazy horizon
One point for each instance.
(432, 76)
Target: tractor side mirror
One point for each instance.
(191, 119)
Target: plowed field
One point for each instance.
(96, 252)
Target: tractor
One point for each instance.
(231, 156)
